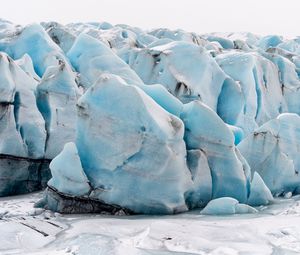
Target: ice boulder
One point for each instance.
(260, 85)
(226, 206)
(91, 58)
(57, 95)
(272, 150)
(189, 73)
(185, 69)
(205, 130)
(259, 192)
(68, 176)
(34, 41)
(131, 150)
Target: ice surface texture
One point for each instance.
(155, 122)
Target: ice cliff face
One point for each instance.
(154, 121)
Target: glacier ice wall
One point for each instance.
(158, 121)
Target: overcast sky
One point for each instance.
(257, 16)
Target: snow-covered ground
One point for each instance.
(26, 230)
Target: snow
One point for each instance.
(273, 230)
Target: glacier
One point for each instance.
(119, 119)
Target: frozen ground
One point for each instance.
(25, 230)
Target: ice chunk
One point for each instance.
(57, 95)
(91, 58)
(226, 205)
(272, 151)
(289, 81)
(134, 153)
(260, 86)
(220, 206)
(205, 130)
(259, 193)
(198, 77)
(67, 174)
(269, 41)
(34, 41)
(22, 132)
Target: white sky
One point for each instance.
(257, 16)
